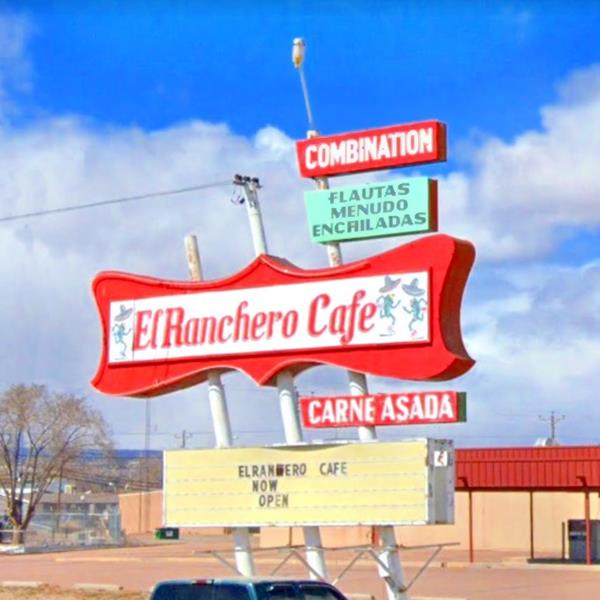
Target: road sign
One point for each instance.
(387, 483)
(409, 408)
(372, 149)
(372, 210)
(396, 314)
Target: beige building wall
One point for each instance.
(500, 522)
(143, 513)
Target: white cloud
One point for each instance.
(47, 316)
(532, 328)
(537, 347)
(519, 198)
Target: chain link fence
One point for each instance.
(57, 530)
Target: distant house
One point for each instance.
(79, 503)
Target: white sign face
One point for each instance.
(383, 483)
(359, 311)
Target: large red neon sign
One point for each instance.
(396, 314)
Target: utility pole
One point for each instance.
(184, 436)
(143, 496)
(552, 420)
(288, 398)
(394, 577)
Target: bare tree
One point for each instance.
(41, 433)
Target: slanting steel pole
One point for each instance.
(357, 381)
(359, 387)
(288, 398)
(390, 557)
(221, 424)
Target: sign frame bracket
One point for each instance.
(375, 552)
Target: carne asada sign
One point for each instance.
(372, 149)
(410, 408)
(396, 314)
(372, 210)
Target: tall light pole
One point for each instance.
(298, 50)
(357, 381)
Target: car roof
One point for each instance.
(242, 580)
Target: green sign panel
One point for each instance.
(372, 210)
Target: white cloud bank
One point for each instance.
(520, 198)
(536, 341)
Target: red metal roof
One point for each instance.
(545, 468)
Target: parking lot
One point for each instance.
(496, 577)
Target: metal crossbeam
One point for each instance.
(224, 561)
(374, 552)
(422, 569)
(389, 575)
(348, 567)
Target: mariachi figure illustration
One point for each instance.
(418, 304)
(119, 331)
(386, 302)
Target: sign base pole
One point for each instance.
(358, 386)
(288, 399)
(288, 402)
(243, 552)
(390, 558)
(221, 424)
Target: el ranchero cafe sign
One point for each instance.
(395, 314)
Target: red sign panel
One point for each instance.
(411, 408)
(372, 149)
(396, 314)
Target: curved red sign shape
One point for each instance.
(395, 314)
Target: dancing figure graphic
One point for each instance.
(120, 332)
(386, 303)
(417, 306)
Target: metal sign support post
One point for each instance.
(357, 381)
(288, 399)
(358, 387)
(221, 423)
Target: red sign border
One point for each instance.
(449, 261)
(459, 398)
(439, 153)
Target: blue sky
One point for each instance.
(156, 63)
(100, 101)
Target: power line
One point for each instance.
(64, 209)
(189, 432)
